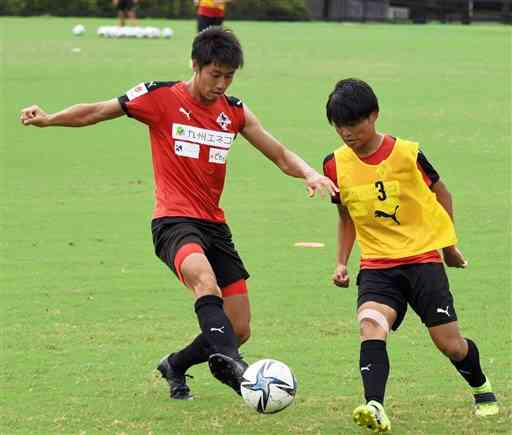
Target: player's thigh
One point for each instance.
(430, 295)
(380, 290)
(225, 259)
(181, 245)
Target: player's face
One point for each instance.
(213, 80)
(358, 135)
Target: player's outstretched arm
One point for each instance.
(286, 160)
(346, 238)
(79, 115)
(452, 255)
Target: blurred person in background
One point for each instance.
(210, 13)
(126, 10)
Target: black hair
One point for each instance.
(219, 46)
(351, 101)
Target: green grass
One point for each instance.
(87, 310)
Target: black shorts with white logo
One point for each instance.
(203, 22)
(125, 5)
(424, 287)
(171, 233)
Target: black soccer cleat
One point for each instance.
(179, 389)
(228, 370)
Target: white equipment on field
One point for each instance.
(78, 30)
(134, 32)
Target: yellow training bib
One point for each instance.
(395, 214)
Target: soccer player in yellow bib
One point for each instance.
(394, 204)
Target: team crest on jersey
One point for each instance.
(224, 121)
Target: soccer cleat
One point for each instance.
(178, 385)
(228, 370)
(485, 400)
(372, 416)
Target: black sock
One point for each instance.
(469, 367)
(374, 366)
(196, 352)
(216, 327)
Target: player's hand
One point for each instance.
(340, 277)
(318, 183)
(34, 115)
(454, 258)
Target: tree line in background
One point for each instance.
(246, 9)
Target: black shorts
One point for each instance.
(204, 22)
(423, 286)
(125, 5)
(171, 233)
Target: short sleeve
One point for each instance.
(330, 172)
(237, 107)
(430, 175)
(140, 104)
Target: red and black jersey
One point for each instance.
(190, 143)
(210, 8)
(430, 176)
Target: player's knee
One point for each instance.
(371, 330)
(372, 325)
(204, 283)
(453, 348)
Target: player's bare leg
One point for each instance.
(121, 17)
(463, 354)
(132, 16)
(238, 310)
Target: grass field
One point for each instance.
(87, 310)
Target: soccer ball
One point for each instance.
(78, 30)
(139, 32)
(167, 32)
(268, 386)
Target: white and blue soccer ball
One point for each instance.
(78, 30)
(268, 386)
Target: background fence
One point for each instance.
(417, 11)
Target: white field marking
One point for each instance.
(309, 245)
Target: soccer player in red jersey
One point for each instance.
(393, 202)
(192, 126)
(210, 13)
